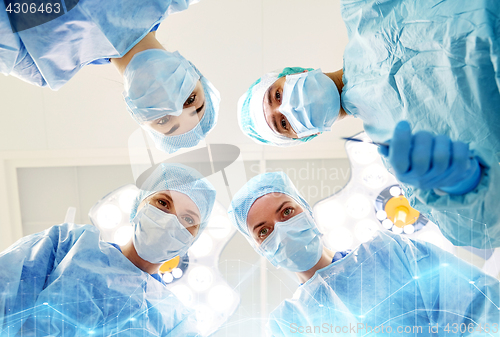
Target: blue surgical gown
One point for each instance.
(92, 32)
(435, 63)
(393, 286)
(66, 282)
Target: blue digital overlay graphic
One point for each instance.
(26, 14)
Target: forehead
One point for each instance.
(266, 205)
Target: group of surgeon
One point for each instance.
(424, 76)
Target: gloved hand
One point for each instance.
(432, 162)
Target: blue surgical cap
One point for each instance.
(171, 144)
(183, 179)
(258, 186)
(251, 111)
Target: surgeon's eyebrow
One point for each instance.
(197, 111)
(172, 130)
(275, 129)
(258, 226)
(200, 108)
(269, 99)
(281, 206)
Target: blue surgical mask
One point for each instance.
(311, 102)
(159, 236)
(294, 244)
(158, 83)
(191, 138)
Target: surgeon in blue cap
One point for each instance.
(423, 78)
(64, 281)
(164, 92)
(387, 286)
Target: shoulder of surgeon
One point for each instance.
(61, 236)
(71, 231)
(384, 243)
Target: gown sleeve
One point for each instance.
(396, 283)
(24, 269)
(92, 32)
(180, 5)
(454, 293)
(472, 219)
(66, 282)
(14, 58)
(10, 44)
(435, 64)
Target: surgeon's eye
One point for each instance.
(164, 204)
(164, 120)
(278, 96)
(190, 100)
(263, 232)
(284, 122)
(188, 220)
(288, 211)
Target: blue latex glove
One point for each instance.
(431, 162)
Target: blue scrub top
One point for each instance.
(66, 282)
(338, 256)
(391, 282)
(92, 32)
(108, 60)
(156, 276)
(436, 64)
